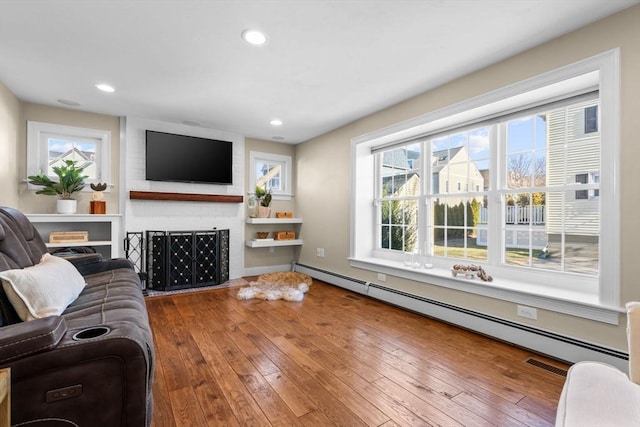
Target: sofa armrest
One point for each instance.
(596, 394)
(31, 337)
(79, 260)
(106, 265)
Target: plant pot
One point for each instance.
(264, 212)
(67, 206)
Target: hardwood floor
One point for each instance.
(337, 358)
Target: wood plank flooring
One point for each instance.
(336, 358)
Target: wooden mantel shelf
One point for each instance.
(185, 197)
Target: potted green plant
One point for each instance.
(264, 201)
(70, 181)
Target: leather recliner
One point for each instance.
(90, 366)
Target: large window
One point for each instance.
(510, 181)
(50, 145)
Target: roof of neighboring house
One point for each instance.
(86, 156)
(399, 158)
(443, 157)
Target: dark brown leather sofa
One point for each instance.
(90, 366)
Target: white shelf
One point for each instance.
(274, 220)
(73, 217)
(103, 229)
(78, 244)
(267, 244)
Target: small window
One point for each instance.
(49, 145)
(272, 171)
(591, 119)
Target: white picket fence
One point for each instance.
(518, 215)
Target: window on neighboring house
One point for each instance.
(591, 119)
(588, 178)
(271, 171)
(518, 174)
(49, 145)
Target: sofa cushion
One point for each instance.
(46, 289)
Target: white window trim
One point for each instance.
(37, 147)
(285, 174)
(602, 306)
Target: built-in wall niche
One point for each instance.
(102, 232)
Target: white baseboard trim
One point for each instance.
(545, 342)
(256, 271)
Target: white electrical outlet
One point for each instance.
(382, 277)
(527, 312)
(320, 252)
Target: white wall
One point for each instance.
(141, 215)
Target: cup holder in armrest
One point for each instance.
(89, 333)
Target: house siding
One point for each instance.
(582, 155)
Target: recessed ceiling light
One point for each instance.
(105, 87)
(276, 122)
(254, 37)
(68, 102)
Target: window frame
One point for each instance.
(37, 149)
(286, 191)
(602, 303)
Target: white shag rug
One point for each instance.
(273, 291)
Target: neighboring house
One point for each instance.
(575, 127)
(452, 172)
(84, 159)
(578, 129)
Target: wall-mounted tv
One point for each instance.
(181, 158)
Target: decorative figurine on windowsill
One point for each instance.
(97, 205)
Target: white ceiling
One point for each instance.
(326, 63)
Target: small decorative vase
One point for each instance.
(264, 212)
(252, 206)
(67, 206)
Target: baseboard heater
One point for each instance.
(549, 343)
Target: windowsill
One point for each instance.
(544, 297)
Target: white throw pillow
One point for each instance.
(45, 289)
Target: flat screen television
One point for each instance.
(181, 158)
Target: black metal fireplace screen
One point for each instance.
(169, 260)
